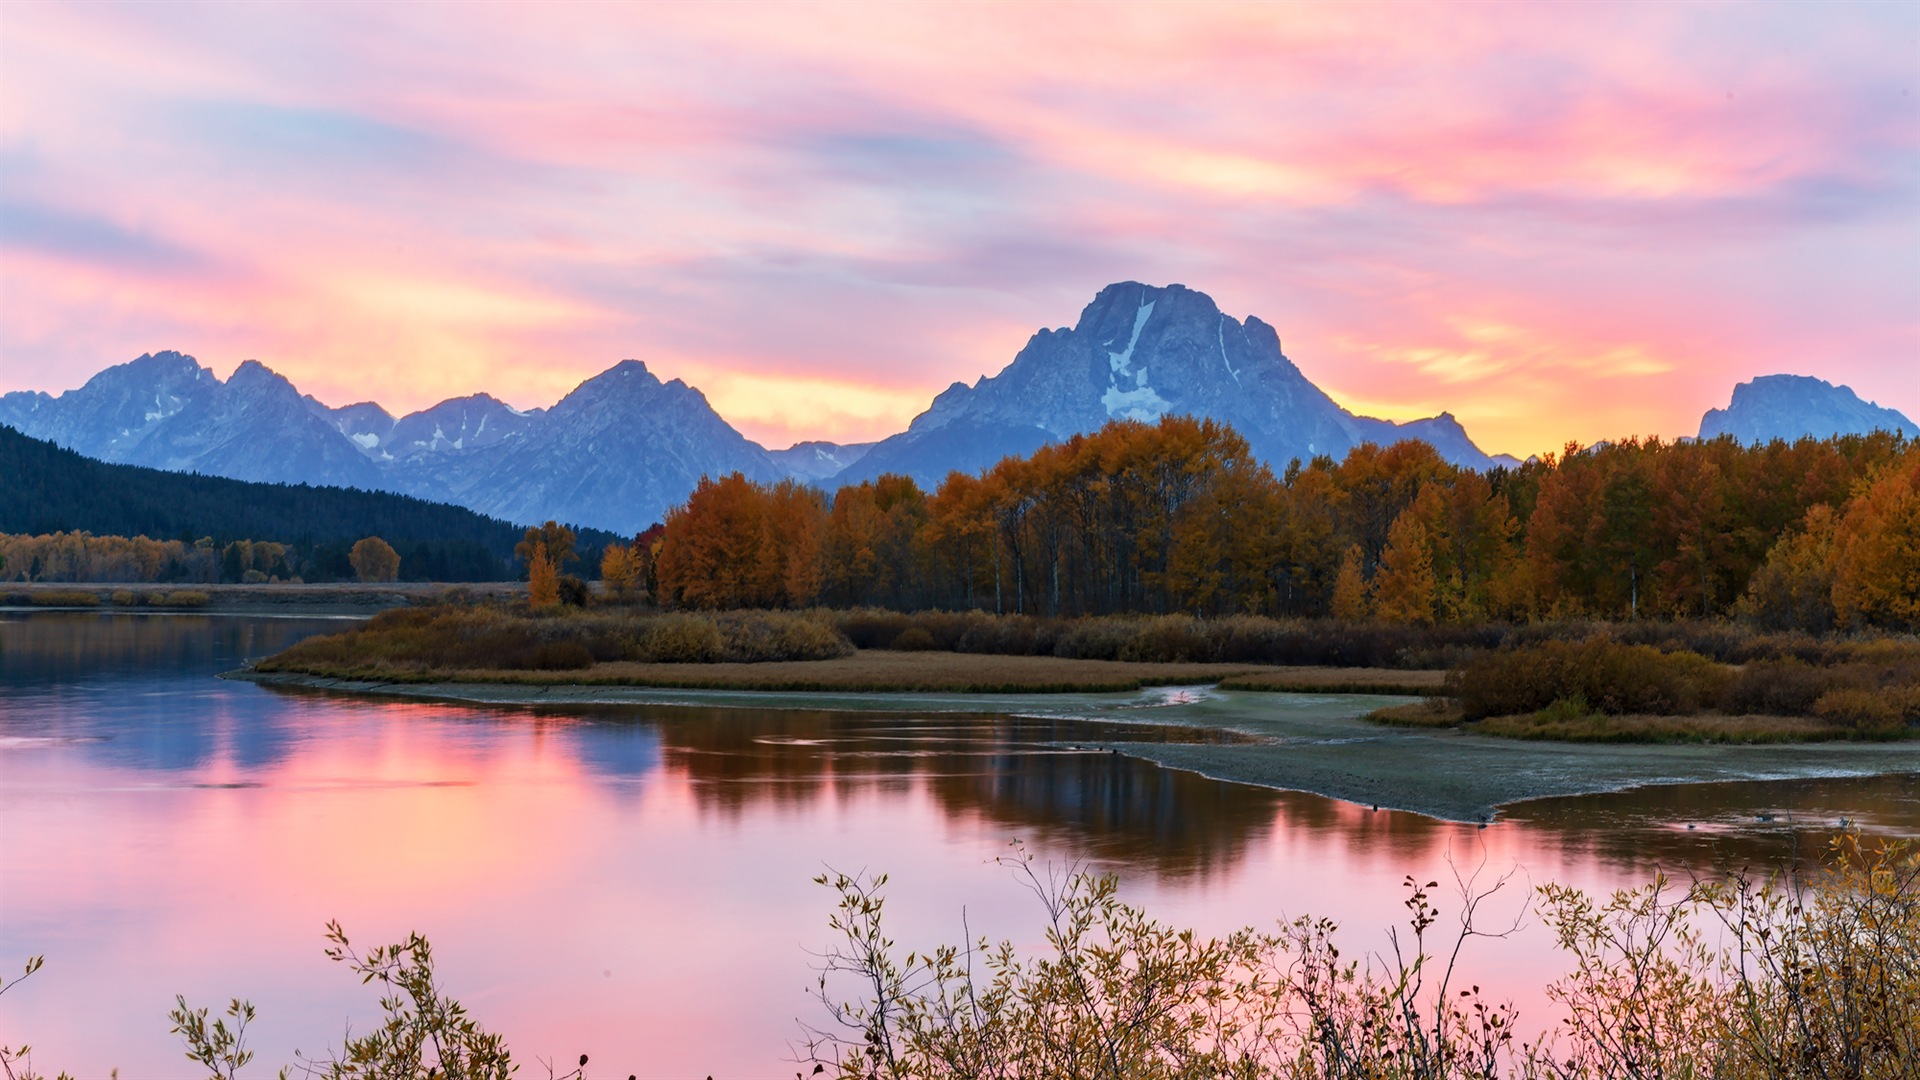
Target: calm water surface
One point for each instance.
(634, 883)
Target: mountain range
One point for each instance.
(623, 447)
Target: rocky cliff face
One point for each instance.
(1140, 352)
(1791, 406)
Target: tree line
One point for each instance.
(1179, 516)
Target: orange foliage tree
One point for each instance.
(1178, 515)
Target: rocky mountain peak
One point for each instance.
(1792, 406)
(1140, 352)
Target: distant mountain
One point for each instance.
(614, 454)
(1140, 352)
(816, 461)
(623, 447)
(1791, 406)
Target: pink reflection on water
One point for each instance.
(633, 886)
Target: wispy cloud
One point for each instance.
(1559, 222)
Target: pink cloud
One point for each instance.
(1559, 223)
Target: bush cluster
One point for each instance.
(1608, 676)
(1237, 639)
(65, 598)
(470, 638)
(1877, 692)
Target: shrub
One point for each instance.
(756, 636)
(1883, 713)
(66, 598)
(914, 639)
(679, 639)
(187, 598)
(1776, 688)
(126, 598)
(1816, 975)
(871, 628)
(573, 591)
(1095, 639)
(1612, 678)
(1169, 639)
(557, 656)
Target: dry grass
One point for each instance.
(1436, 712)
(1321, 680)
(1701, 728)
(64, 598)
(871, 671)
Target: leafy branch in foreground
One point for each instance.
(426, 1035)
(1123, 995)
(1818, 976)
(23, 1054)
(219, 1049)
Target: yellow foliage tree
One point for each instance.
(543, 578)
(1876, 579)
(559, 544)
(1405, 588)
(620, 570)
(1793, 589)
(1350, 588)
(375, 560)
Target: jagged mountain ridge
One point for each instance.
(1141, 352)
(624, 446)
(1791, 406)
(615, 453)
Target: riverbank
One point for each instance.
(1317, 743)
(279, 598)
(885, 671)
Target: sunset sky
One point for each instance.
(1560, 222)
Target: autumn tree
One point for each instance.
(869, 548)
(1876, 579)
(1793, 589)
(374, 560)
(557, 540)
(543, 577)
(736, 544)
(1350, 588)
(620, 570)
(1404, 589)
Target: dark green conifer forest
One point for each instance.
(45, 489)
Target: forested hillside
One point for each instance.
(1180, 516)
(45, 489)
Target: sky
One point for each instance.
(1558, 222)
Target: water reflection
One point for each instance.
(579, 868)
(1709, 828)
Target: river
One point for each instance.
(635, 882)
